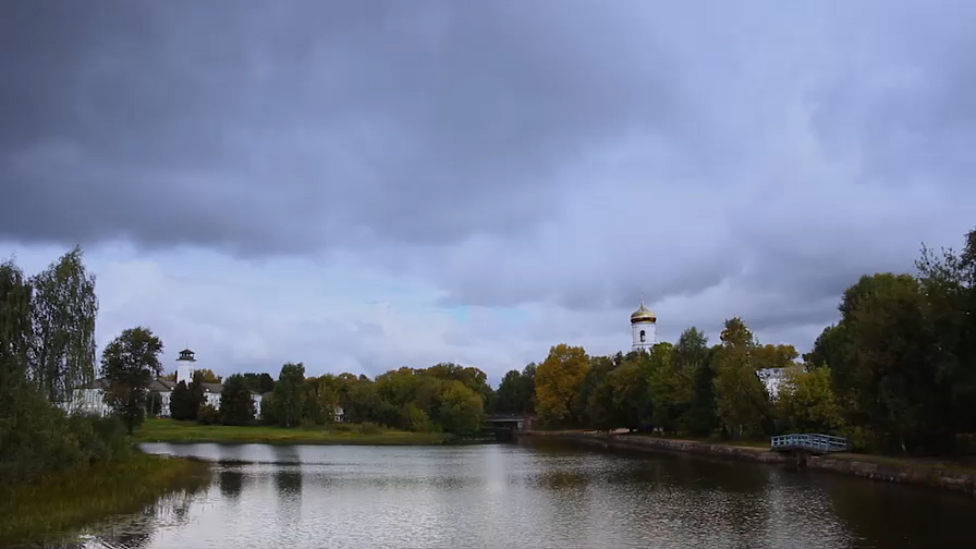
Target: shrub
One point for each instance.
(208, 415)
(369, 428)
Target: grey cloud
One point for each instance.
(278, 129)
(561, 153)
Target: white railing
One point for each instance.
(812, 442)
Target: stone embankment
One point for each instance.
(933, 475)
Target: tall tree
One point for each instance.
(289, 394)
(236, 403)
(806, 401)
(741, 397)
(461, 410)
(895, 363)
(180, 405)
(558, 381)
(516, 392)
(197, 397)
(129, 364)
(15, 335)
(948, 281)
(259, 383)
(64, 310)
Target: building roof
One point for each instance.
(643, 314)
(161, 385)
(212, 387)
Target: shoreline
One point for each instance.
(177, 432)
(59, 506)
(880, 468)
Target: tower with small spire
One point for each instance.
(643, 325)
(185, 366)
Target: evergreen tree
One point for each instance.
(236, 403)
(197, 397)
(289, 395)
(180, 406)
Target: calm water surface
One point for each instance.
(528, 495)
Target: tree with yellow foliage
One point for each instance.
(558, 381)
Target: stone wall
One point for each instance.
(925, 475)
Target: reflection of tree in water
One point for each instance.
(136, 530)
(231, 483)
(881, 514)
(289, 481)
(561, 480)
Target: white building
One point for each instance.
(643, 327)
(90, 400)
(771, 378)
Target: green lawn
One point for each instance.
(170, 430)
(46, 510)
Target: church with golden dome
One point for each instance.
(643, 325)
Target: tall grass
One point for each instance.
(51, 506)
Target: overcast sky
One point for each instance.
(371, 184)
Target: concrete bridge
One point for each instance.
(504, 426)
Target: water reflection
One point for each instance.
(502, 496)
(231, 482)
(136, 530)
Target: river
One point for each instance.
(537, 494)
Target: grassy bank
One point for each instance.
(169, 430)
(49, 508)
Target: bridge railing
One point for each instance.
(813, 442)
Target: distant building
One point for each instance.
(772, 378)
(90, 399)
(643, 327)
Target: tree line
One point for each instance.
(47, 348)
(896, 373)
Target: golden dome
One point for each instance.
(643, 314)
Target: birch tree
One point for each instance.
(63, 318)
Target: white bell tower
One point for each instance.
(643, 325)
(185, 366)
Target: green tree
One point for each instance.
(516, 392)
(702, 416)
(129, 364)
(461, 409)
(63, 317)
(236, 402)
(895, 366)
(259, 383)
(207, 375)
(289, 394)
(689, 394)
(197, 396)
(558, 383)
(948, 281)
(633, 407)
(806, 401)
(741, 398)
(180, 404)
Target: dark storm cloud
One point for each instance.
(556, 152)
(282, 127)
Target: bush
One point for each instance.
(342, 427)
(208, 415)
(369, 428)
